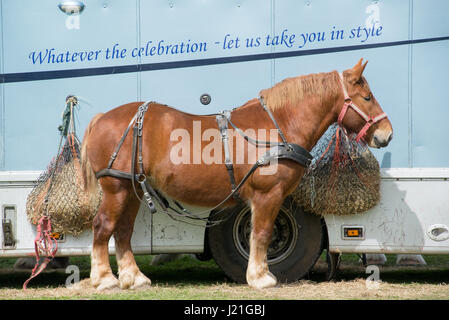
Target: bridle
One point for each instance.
(370, 120)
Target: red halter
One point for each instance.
(369, 119)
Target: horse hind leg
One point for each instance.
(104, 225)
(264, 209)
(130, 276)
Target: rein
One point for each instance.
(369, 120)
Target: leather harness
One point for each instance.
(278, 150)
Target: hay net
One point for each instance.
(344, 177)
(59, 191)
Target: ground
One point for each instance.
(190, 279)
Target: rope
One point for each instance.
(45, 244)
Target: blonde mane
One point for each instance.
(293, 91)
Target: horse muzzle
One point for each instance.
(381, 139)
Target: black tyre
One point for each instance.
(296, 243)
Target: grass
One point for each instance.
(190, 279)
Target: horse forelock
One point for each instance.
(291, 92)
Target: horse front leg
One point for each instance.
(264, 209)
(129, 274)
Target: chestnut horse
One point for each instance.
(304, 107)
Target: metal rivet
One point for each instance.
(205, 99)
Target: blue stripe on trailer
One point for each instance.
(86, 72)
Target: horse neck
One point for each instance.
(306, 121)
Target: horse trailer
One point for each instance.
(206, 56)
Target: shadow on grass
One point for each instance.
(184, 271)
(187, 271)
(435, 272)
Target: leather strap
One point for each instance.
(114, 173)
(290, 151)
(222, 120)
(114, 155)
(370, 120)
(281, 134)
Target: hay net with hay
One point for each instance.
(59, 191)
(343, 179)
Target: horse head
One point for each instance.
(361, 112)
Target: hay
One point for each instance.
(344, 177)
(70, 208)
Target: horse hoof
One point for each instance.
(410, 260)
(141, 283)
(268, 280)
(129, 280)
(108, 283)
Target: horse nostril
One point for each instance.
(382, 142)
(390, 137)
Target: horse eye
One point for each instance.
(367, 98)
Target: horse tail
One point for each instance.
(89, 179)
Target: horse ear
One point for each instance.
(356, 71)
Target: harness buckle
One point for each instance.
(146, 193)
(141, 178)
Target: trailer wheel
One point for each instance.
(296, 243)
